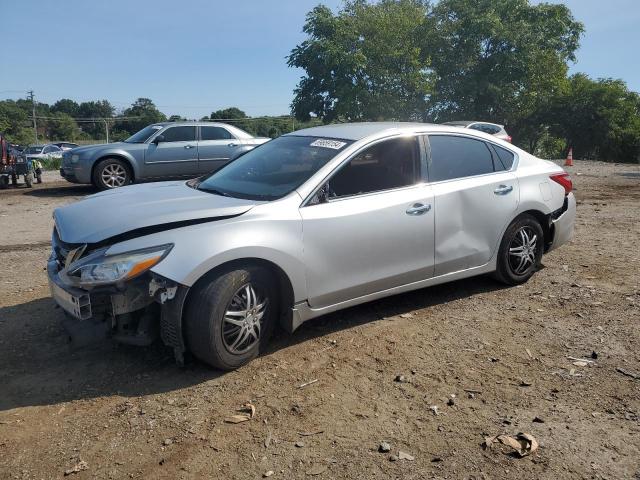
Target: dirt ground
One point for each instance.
(111, 411)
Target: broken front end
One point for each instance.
(116, 295)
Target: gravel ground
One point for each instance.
(110, 411)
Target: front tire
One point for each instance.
(230, 316)
(111, 173)
(520, 251)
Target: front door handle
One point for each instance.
(418, 209)
(503, 189)
(189, 146)
(233, 145)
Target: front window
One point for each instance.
(274, 169)
(386, 165)
(179, 134)
(144, 134)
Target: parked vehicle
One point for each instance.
(158, 151)
(42, 153)
(486, 127)
(66, 145)
(312, 222)
(13, 165)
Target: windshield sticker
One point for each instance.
(321, 142)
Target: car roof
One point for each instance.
(466, 123)
(358, 131)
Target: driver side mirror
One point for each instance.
(158, 139)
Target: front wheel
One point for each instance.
(520, 251)
(111, 173)
(230, 316)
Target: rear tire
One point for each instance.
(520, 251)
(219, 328)
(28, 180)
(4, 182)
(111, 173)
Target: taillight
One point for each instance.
(563, 179)
(508, 139)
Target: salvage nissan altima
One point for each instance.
(312, 222)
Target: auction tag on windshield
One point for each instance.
(321, 142)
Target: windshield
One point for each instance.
(144, 134)
(37, 149)
(274, 169)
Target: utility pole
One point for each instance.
(106, 128)
(33, 104)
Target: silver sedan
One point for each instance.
(315, 221)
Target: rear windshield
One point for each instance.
(34, 149)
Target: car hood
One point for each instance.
(139, 210)
(98, 146)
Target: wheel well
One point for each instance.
(118, 157)
(545, 222)
(285, 288)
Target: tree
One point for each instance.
(67, 106)
(228, 113)
(62, 127)
(598, 119)
(370, 61)
(144, 113)
(500, 60)
(95, 109)
(15, 122)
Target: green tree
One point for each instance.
(67, 106)
(95, 109)
(599, 119)
(368, 62)
(501, 60)
(15, 122)
(144, 112)
(233, 113)
(62, 127)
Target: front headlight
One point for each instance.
(75, 158)
(101, 269)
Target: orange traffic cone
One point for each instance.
(569, 161)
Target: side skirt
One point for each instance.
(303, 312)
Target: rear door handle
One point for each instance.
(418, 209)
(233, 145)
(503, 189)
(189, 146)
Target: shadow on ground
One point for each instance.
(38, 366)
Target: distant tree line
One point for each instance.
(72, 121)
(503, 61)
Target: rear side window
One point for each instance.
(386, 165)
(457, 157)
(505, 156)
(180, 134)
(214, 133)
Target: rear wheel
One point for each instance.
(4, 182)
(28, 180)
(520, 251)
(111, 173)
(230, 317)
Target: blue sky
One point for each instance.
(195, 56)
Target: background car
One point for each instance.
(66, 145)
(312, 222)
(486, 127)
(42, 152)
(158, 151)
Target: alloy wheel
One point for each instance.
(242, 320)
(523, 250)
(114, 175)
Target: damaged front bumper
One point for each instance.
(135, 312)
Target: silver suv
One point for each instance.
(159, 151)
